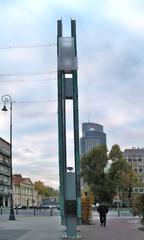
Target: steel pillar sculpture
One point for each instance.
(70, 194)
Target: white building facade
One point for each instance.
(24, 193)
(135, 157)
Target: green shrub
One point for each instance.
(138, 207)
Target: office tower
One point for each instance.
(92, 135)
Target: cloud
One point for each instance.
(110, 77)
(127, 12)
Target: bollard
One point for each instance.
(1, 210)
(16, 210)
(50, 211)
(34, 211)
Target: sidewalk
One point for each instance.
(30, 228)
(116, 229)
(49, 228)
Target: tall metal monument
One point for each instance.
(70, 194)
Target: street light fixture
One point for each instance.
(7, 99)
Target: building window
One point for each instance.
(6, 160)
(140, 169)
(134, 158)
(140, 158)
(141, 190)
(129, 158)
(141, 178)
(135, 190)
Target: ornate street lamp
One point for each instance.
(7, 99)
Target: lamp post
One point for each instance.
(130, 189)
(7, 99)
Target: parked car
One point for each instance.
(23, 207)
(46, 206)
(20, 207)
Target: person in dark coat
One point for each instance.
(102, 210)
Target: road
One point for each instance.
(30, 212)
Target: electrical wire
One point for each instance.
(10, 47)
(26, 74)
(28, 80)
(35, 101)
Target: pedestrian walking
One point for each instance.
(51, 211)
(102, 210)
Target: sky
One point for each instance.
(110, 47)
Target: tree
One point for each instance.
(104, 191)
(115, 153)
(50, 192)
(92, 171)
(118, 170)
(121, 172)
(39, 186)
(93, 163)
(105, 185)
(46, 191)
(139, 207)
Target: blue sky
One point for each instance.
(110, 42)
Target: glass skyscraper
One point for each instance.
(92, 135)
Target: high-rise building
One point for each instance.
(4, 173)
(135, 156)
(92, 135)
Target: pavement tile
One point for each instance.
(6, 234)
(30, 227)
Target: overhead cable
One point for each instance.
(35, 101)
(26, 74)
(27, 46)
(28, 80)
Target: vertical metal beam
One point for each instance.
(73, 34)
(76, 127)
(59, 34)
(61, 134)
(61, 128)
(76, 145)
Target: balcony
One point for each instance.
(4, 191)
(4, 162)
(4, 151)
(4, 183)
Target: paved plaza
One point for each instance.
(42, 226)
